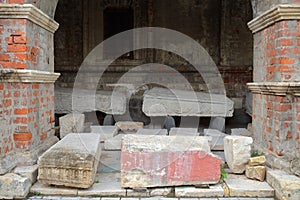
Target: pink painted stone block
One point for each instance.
(154, 161)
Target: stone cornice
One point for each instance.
(278, 13)
(30, 12)
(27, 76)
(275, 88)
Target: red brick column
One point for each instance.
(26, 83)
(276, 85)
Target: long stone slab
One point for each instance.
(186, 103)
(167, 161)
(82, 100)
(71, 162)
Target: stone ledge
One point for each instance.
(275, 88)
(30, 12)
(27, 76)
(276, 14)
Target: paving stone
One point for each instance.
(256, 172)
(30, 172)
(109, 162)
(212, 191)
(217, 138)
(138, 192)
(240, 186)
(167, 161)
(183, 132)
(256, 161)
(13, 186)
(52, 190)
(286, 186)
(240, 132)
(237, 151)
(145, 131)
(130, 198)
(105, 198)
(105, 132)
(113, 144)
(161, 191)
(71, 123)
(71, 162)
(129, 126)
(107, 185)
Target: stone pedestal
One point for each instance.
(72, 161)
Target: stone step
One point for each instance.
(286, 186)
(240, 186)
(72, 161)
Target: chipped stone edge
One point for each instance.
(275, 88)
(29, 12)
(27, 76)
(276, 14)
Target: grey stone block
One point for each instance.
(237, 151)
(13, 186)
(30, 172)
(71, 123)
(71, 162)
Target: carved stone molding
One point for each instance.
(275, 88)
(27, 76)
(276, 14)
(30, 12)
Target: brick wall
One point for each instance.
(26, 115)
(277, 48)
(219, 26)
(276, 120)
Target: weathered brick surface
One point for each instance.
(276, 125)
(149, 161)
(276, 52)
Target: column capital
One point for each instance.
(276, 14)
(29, 12)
